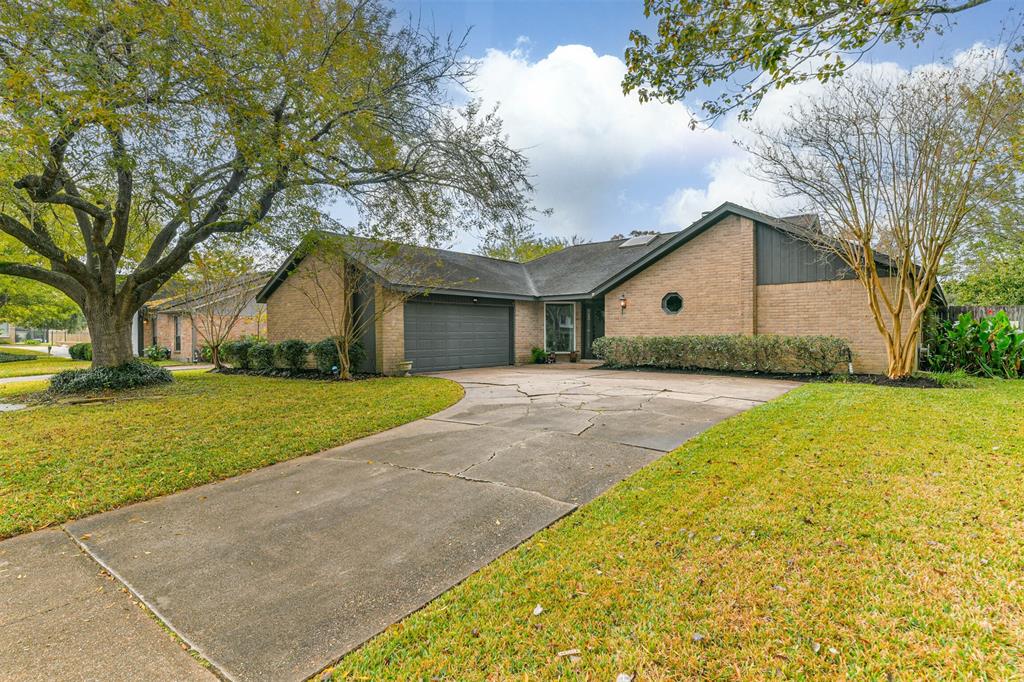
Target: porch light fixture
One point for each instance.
(622, 303)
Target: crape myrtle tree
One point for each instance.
(216, 288)
(340, 278)
(901, 166)
(137, 130)
(750, 47)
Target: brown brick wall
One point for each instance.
(833, 308)
(291, 313)
(191, 338)
(713, 272)
(529, 329)
(389, 309)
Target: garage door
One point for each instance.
(451, 336)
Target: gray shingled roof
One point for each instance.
(571, 271)
(580, 269)
(576, 271)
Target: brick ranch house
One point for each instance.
(734, 271)
(166, 321)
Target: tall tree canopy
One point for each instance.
(519, 242)
(753, 46)
(138, 129)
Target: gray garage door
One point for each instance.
(451, 336)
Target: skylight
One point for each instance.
(638, 241)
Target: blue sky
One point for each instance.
(604, 163)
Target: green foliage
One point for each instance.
(81, 351)
(538, 355)
(156, 353)
(729, 352)
(755, 47)
(206, 354)
(519, 243)
(326, 354)
(292, 354)
(135, 132)
(135, 374)
(990, 347)
(236, 353)
(261, 356)
(997, 283)
(10, 357)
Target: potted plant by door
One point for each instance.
(404, 368)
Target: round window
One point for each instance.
(672, 303)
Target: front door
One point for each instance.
(593, 325)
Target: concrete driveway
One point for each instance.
(278, 573)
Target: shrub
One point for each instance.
(157, 353)
(206, 354)
(236, 353)
(990, 347)
(261, 356)
(326, 354)
(726, 352)
(10, 357)
(134, 374)
(81, 351)
(538, 355)
(292, 354)
(32, 342)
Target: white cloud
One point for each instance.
(583, 137)
(732, 177)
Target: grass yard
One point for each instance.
(41, 363)
(62, 462)
(842, 531)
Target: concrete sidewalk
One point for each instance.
(278, 573)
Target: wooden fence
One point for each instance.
(1014, 312)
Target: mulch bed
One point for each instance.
(872, 379)
(308, 374)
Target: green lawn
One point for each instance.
(840, 531)
(62, 462)
(41, 363)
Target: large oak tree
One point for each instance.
(136, 130)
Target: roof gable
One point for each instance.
(580, 271)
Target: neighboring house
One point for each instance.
(734, 271)
(10, 333)
(166, 321)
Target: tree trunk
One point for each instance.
(215, 356)
(110, 331)
(902, 355)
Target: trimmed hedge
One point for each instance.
(261, 356)
(292, 354)
(236, 353)
(134, 374)
(10, 357)
(81, 351)
(326, 354)
(726, 352)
